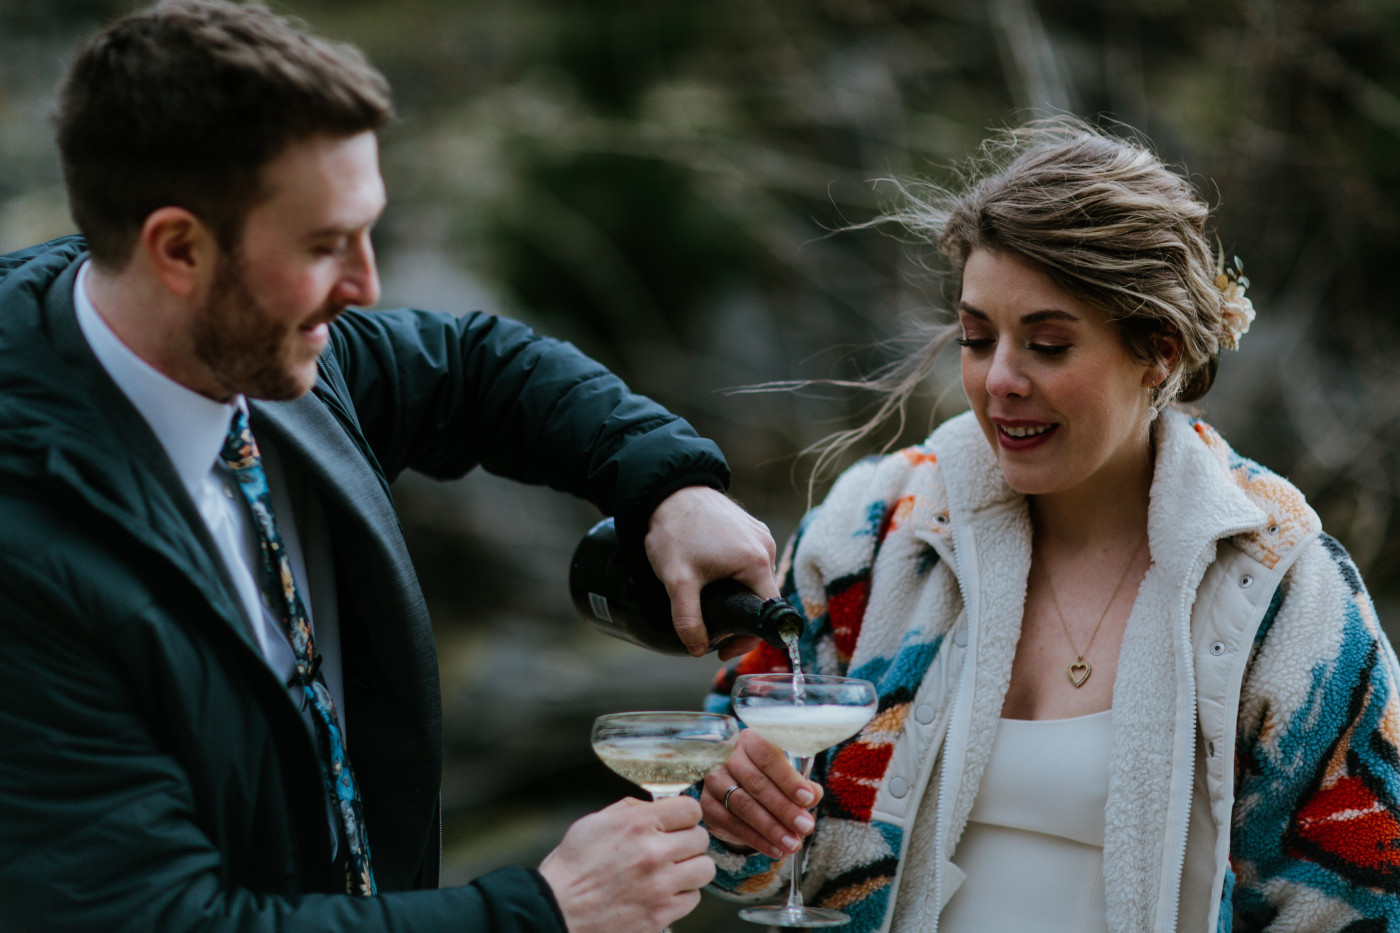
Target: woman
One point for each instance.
(1126, 681)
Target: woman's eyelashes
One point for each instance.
(985, 343)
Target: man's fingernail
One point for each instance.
(804, 823)
(805, 797)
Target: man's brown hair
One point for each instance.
(183, 104)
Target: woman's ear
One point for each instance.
(1166, 350)
(180, 250)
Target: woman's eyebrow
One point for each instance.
(1033, 317)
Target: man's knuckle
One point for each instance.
(649, 861)
(709, 871)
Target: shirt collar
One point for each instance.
(188, 425)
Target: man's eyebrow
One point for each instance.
(346, 228)
(335, 230)
(1033, 317)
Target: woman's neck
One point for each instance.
(1106, 510)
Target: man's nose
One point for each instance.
(359, 282)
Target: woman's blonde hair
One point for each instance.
(1103, 217)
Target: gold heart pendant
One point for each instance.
(1079, 672)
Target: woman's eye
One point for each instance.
(983, 343)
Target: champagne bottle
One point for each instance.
(619, 594)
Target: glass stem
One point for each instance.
(660, 796)
(803, 764)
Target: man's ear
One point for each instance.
(182, 252)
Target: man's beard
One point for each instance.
(245, 348)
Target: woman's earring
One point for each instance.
(1158, 377)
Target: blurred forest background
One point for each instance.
(663, 183)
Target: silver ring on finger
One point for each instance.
(725, 800)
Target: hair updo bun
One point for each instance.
(1108, 222)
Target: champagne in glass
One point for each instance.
(802, 714)
(664, 752)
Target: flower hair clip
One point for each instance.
(1237, 312)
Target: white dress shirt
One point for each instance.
(191, 428)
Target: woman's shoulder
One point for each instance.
(1319, 611)
(898, 496)
(1320, 616)
(915, 470)
(1289, 521)
(869, 493)
(888, 475)
(881, 508)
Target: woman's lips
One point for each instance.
(1024, 435)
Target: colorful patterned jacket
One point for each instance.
(1255, 774)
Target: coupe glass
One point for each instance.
(802, 715)
(664, 752)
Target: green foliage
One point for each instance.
(667, 184)
(630, 174)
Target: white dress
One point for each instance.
(1033, 847)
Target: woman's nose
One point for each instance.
(1005, 377)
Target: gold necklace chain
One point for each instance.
(1080, 669)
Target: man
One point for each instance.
(219, 702)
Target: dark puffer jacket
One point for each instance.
(153, 774)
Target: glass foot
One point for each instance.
(780, 916)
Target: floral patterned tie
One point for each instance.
(240, 455)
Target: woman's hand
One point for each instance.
(768, 809)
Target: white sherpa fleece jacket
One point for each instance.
(1253, 657)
